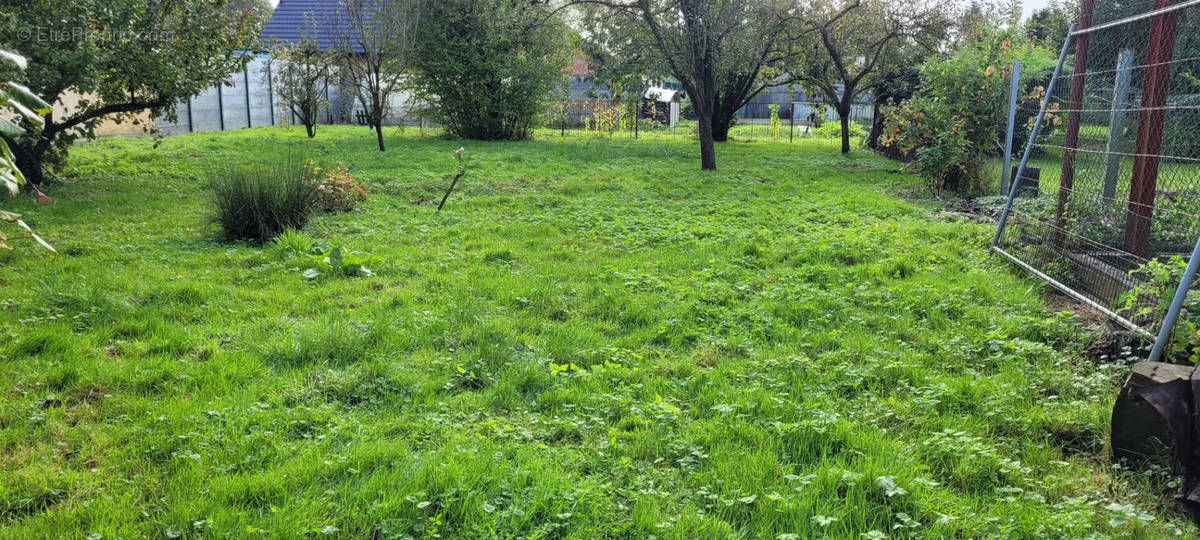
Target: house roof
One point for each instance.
(295, 18)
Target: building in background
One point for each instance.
(806, 110)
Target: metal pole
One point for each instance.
(1066, 179)
(1168, 324)
(328, 113)
(1033, 135)
(246, 79)
(270, 93)
(637, 113)
(1012, 126)
(1116, 125)
(221, 106)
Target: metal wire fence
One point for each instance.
(1108, 200)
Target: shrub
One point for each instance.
(261, 200)
(486, 66)
(1147, 304)
(953, 122)
(832, 130)
(334, 188)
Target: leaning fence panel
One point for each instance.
(1108, 205)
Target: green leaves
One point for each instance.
(20, 99)
(338, 261)
(488, 83)
(31, 107)
(11, 217)
(14, 59)
(10, 175)
(25, 100)
(138, 54)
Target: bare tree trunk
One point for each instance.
(29, 159)
(376, 115)
(876, 127)
(844, 116)
(708, 152)
(721, 125)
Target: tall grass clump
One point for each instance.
(258, 201)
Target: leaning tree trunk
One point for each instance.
(379, 133)
(708, 152)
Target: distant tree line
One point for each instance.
(485, 68)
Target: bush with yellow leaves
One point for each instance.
(335, 188)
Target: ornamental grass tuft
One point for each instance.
(260, 200)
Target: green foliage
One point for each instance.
(1149, 301)
(1048, 26)
(486, 66)
(122, 58)
(953, 123)
(30, 108)
(600, 343)
(293, 242)
(340, 262)
(1180, 130)
(775, 124)
(260, 200)
(832, 130)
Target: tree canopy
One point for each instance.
(121, 57)
(720, 52)
(486, 66)
(848, 42)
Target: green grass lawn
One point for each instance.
(593, 339)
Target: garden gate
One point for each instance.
(1107, 203)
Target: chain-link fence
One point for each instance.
(1109, 194)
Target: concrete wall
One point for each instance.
(68, 102)
(249, 99)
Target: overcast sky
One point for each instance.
(1029, 6)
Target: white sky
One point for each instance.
(1029, 6)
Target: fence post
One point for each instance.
(1168, 324)
(637, 114)
(328, 113)
(1012, 126)
(1150, 127)
(221, 106)
(1033, 135)
(1066, 182)
(246, 80)
(1116, 125)
(270, 92)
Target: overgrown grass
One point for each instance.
(594, 339)
(260, 200)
